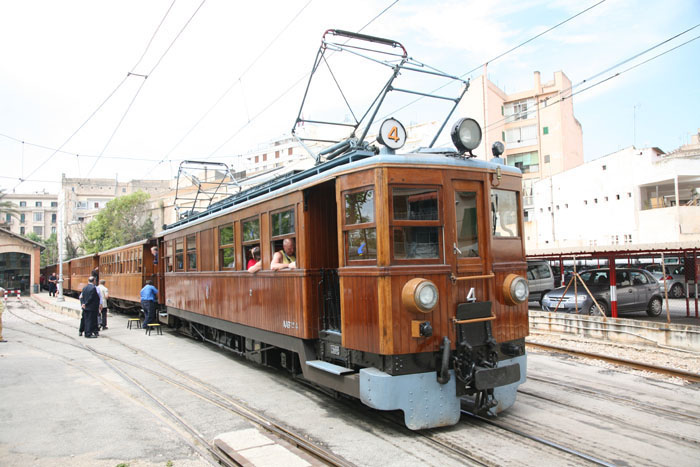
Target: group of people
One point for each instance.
(283, 259)
(93, 301)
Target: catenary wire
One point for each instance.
(563, 96)
(99, 106)
(287, 91)
(236, 81)
(495, 58)
(121, 120)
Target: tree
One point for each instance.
(6, 207)
(50, 253)
(124, 220)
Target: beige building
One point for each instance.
(84, 197)
(540, 133)
(36, 212)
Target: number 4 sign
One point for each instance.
(392, 134)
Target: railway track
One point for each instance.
(193, 386)
(686, 375)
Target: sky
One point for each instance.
(214, 79)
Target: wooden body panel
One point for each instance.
(125, 271)
(267, 300)
(66, 276)
(386, 329)
(80, 270)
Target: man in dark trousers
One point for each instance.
(149, 296)
(90, 303)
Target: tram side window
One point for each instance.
(251, 241)
(282, 228)
(168, 256)
(180, 254)
(467, 224)
(192, 252)
(504, 213)
(360, 228)
(227, 252)
(139, 260)
(416, 223)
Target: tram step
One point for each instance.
(329, 367)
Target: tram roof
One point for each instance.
(350, 161)
(132, 244)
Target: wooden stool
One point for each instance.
(155, 326)
(132, 321)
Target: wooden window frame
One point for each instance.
(395, 224)
(169, 258)
(365, 225)
(223, 246)
(246, 244)
(188, 252)
(277, 238)
(175, 254)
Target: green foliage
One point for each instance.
(123, 464)
(169, 464)
(6, 207)
(121, 222)
(50, 254)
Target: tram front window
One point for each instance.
(467, 224)
(504, 213)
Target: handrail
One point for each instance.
(475, 320)
(454, 278)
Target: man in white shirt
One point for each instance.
(104, 295)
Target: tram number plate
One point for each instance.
(290, 324)
(335, 349)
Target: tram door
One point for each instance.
(469, 248)
(321, 212)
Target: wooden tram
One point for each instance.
(409, 291)
(79, 270)
(125, 271)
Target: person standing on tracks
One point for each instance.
(90, 303)
(149, 295)
(104, 295)
(285, 258)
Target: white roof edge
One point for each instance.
(632, 247)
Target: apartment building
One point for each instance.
(633, 196)
(539, 130)
(36, 212)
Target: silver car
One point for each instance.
(637, 290)
(675, 281)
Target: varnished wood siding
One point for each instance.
(374, 319)
(266, 300)
(360, 312)
(124, 286)
(81, 268)
(66, 276)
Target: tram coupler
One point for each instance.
(443, 375)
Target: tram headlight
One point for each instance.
(515, 289)
(466, 134)
(419, 295)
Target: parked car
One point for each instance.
(637, 290)
(540, 279)
(675, 280)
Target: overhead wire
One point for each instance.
(501, 55)
(121, 120)
(288, 90)
(233, 84)
(562, 95)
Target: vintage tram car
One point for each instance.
(125, 270)
(409, 290)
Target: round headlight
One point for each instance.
(515, 289)
(466, 134)
(419, 295)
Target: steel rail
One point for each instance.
(551, 444)
(225, 402)
(687, 375)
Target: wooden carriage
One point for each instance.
(125, 271)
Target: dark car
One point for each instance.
(637, 290)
